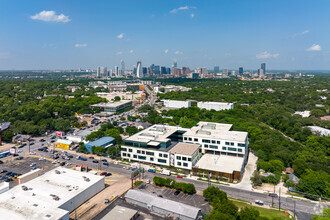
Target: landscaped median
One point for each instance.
(168, 182)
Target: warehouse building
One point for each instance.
(165, 207)
(63, 144)
(217, 106)
(101, 142)
(51, 196)
(176, 104)
(113, 107)
(122, 213)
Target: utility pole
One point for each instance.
(294, 209)
(279, 200)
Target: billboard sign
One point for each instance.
(13, 150)
(59, 133)
(135, 174)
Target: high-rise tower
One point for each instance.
(139, 73)
(263, 67)
(122, 65)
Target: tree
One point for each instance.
(7, 135)
(99, 150)
(131, 130)
(256, 178)
(247, 213)
(211, 193)
(315, 183)
(324, 216)
(115, 134)
(117, 98)
(83, 149)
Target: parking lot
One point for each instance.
(23, 166)
(193, 200)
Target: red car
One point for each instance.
(91, 157)
(179, 176)
(104, 173)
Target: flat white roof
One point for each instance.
(216, 131)
(322, 131)
(216, 103)
(185, 149)
(220, 163)
(120, 212)
(155, 133)
(38, 201)
(112, 104)
(62, 141)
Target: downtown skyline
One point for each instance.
(85, 34)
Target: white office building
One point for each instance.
(176, 104)
(217, 106)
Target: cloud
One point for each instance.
(178, 52)
(192, 15)
(300, 33)
(119, 53)
(80, 45)
(121, 36)
(266, 55)
(182, 8)
(50, 16)
(131, 51)
(315, 47)
(166, 51)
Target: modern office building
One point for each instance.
(98, 70)
(240, 71)
(113, 107)
(103, 71)
(216, 69)
(139, 73)
(122, 69)
(204, 71)
(52, 195)
(225, 71)
(224, 151)
(176, 104)
(263, 67)
(261, 72)
(217, 106)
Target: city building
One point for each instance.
(50, 196)
(101, 142)
(218, 106)
(122, 69)
(123, 95)
(122, 213)
(79, 137)
(204, 71)
(103, 71)
(139, 73)
(165, 207)
(225, 71)
(176, 104)
(263, 67)
(216, 69)
(304, 114)
(98, 70)
(63, 144)
(240, 71)
(171, 88)
(113, 107)
(224, 151)
(260, 72)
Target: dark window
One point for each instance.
(165, 155)
(241, 145)
(184, 158)
(143, 152)
(206, 145)
(142, 157)
(232, 143)
(224, 148)
(138, 151)
(227, 143)
(160, 155)
(123, 149)
(213, 146)
(151, 159)
(189, 159)
(124, 154)
(231, 149)
(178, 157)
(205, 141)
(213, 141)
(185, 164)
(196, 139)
(185, 138)
(150, 153)
(179, 163)
(134, 156)
(161, 161)
(128, 155)
(130, 150)
(218, 142)
(239, 150)
(190, 139)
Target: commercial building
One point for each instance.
(101, 142)
(123, 95)
(50, 196)
(224, 151)
(217, 106)
(79, 137)
(263, 67)
(63, 144)
(170, 88)
(319, 130)
(122, 213)
(176, 104)
(113, 107)
(165, 207)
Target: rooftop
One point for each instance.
(216, 131)
(41, 198)
(185, 149)
(101, 141)
(216, 103)
(112, 104)
(319, 130)
(120, 212)
(62, 141)
(168, 205)
(155, 133)
(221, 163)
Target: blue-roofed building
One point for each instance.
(101, 142)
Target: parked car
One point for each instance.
(32, 164)
(41, 158)
(91, 157)
(108, 174)
(176, 192)
(273, 195)
(151, 171)
(259, 202)
(95, 161)
(104, 160)
(62, 164)
(106, 164)
(19, 158)
(8, 173)
(103, 173)
(32, 153)
(33, 168)
(179, 176)
(42, 140)
(3, 171)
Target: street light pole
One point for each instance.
(279, 200)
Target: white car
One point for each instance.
(32, 164)
(19, 151)
(32, 153)
(41, 158)
(55, 161)
(68, 164)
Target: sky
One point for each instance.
(72, 34)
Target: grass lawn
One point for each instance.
(270, 213)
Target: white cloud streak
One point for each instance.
(315, 47)
(80, 45)
(50, 16)
(182, 8)
(266, 55)
(131, 51)
(121, 36)
(192, 15)
(178, 52)
(119, 53)
(300, 34)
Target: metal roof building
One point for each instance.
(163, 206)
(101, 142)
(121, 212)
